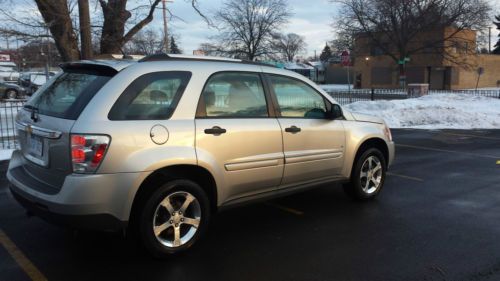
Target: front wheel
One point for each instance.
(368, 175)
(173, 218)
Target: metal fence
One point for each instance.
(8, 111)
(346, 97)
(9, 108)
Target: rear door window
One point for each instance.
(152, 96)
(233, 95)
(69, 93)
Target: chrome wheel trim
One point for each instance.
(11, 94)
(371, 175)
(176, 219)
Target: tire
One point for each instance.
(163, 224)
(367, 181)
(11, 94)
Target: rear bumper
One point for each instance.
(102, 222)
(94, 201)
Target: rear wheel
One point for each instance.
(11, 94)
(368, 175)
(173, 218)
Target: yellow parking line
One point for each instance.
(448, 151)
(20, 258)
(405, 177)
(286, 209)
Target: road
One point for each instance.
(438, 218)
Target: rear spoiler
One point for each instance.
(90, 68)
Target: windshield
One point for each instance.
(69, 93)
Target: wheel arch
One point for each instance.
(195, 173)
(373, 142)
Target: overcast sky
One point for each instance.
(311, 19)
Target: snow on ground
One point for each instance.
(5, 154)
(336, 87)
(454, 111)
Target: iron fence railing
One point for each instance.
(346, 97)
(8, 134)
(9, 108)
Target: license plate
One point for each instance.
(35, 146)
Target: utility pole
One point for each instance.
(165, 29)
(489, 40)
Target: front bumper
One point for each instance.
(392, 151)
(94, 201)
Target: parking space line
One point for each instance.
(286, 209)
(472, 136)
(405, 177)
(448, 151)
(27, 266)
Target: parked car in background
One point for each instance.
(157, 146)
(11, 91)
(31, 81)
(8, 72)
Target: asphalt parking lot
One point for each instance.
(437, 219)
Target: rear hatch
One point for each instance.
(45, 122)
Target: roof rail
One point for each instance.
(167, 57)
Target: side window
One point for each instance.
(152, 96)
(297, 99)
(234, 94)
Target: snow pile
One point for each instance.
(5, 154)
(335, 87)
(439, 111)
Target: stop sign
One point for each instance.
(345, 58)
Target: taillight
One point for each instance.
(87, 152)
(387, 132)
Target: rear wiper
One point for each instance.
(34, 112)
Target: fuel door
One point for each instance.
(159, 134)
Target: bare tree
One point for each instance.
(247, 26)
(496, 50)
(85, 29)
(146, 42)
(114, 23)
(289, 45)
(393, 26)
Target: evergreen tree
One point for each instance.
(497, 45)
(326, 54)
(174, 49)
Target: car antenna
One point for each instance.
(124, 55)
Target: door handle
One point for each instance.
(293, 129)
(215, 130)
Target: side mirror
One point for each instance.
(336, 112)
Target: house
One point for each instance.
(455, 64)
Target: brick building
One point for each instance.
(455, 64)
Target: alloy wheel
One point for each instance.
(371, 175)
(176, 219)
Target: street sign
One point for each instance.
(345, 58)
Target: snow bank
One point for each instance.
(5, 154)
(438, 111)
(336, 87)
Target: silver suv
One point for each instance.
(156, 146)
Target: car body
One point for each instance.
(141, 136)
(31, 81)
(8, 72)
(11, 91)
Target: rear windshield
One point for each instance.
(69, 93)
